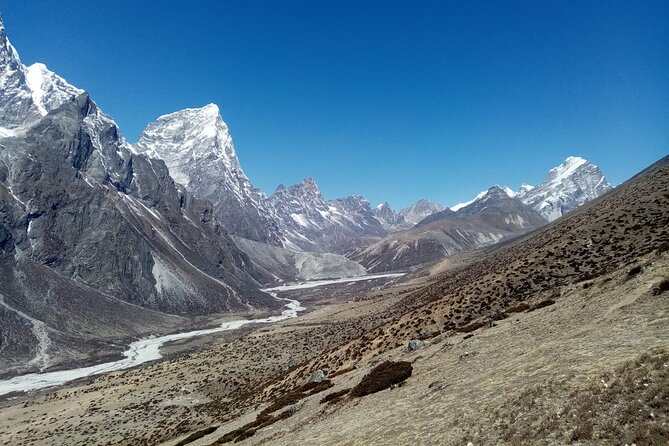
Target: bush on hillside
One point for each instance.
(383, 376)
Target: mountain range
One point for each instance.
(102, 240)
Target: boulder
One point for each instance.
(317, 376)
(415, 344)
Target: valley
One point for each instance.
(147, 350)
(152, 294)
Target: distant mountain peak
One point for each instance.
(196, 145)
(27, 93)
(420, 210)
(48, 89)
(567, 186)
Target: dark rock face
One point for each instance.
(100, 214)
(103, 226)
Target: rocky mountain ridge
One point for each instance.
(115, 243)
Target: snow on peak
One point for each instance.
(420, 210)
(192, 137)
(48, 89)
(509, 192)
(459, 206)
(566, 169)
(211, 108)
(27, 93)
(567, 186)
(524, 188)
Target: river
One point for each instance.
(148, 349)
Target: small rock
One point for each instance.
(295, 408)
(416, 344)
(317, 376)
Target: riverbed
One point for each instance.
(148, 349)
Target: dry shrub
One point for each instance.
(383, 376)
(661, 287)
(196, 435)
(334, 396)
(628, 405)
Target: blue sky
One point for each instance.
(391, 100)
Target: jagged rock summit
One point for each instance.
(27, 93)
(567, 186)
(310, 222)
(389, 219)
(196, 145)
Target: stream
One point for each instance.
(148, 349)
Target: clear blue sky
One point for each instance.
(391, 100)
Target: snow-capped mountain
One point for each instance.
(309, 222)
(567, 186)
(483, 194)
(196, 145)
(27, 93)
(419, 210)
(500, 206)
(492, 217)
(95, 238)
(389, 219)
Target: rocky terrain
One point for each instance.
(536, 316)
(554, 338)
(97, 243)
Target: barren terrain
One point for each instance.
(557, 338)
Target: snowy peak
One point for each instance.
(16, 104)
(308, 221)
(496, 196)
(27, 93)
(566, 169)
(197, 148)
(567, 186)
(494, 192)
(524, 189)
(48, 89)
(301, 197)
(420, 210)
(187, 137)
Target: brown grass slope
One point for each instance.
(607, 234)
(589, 366)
